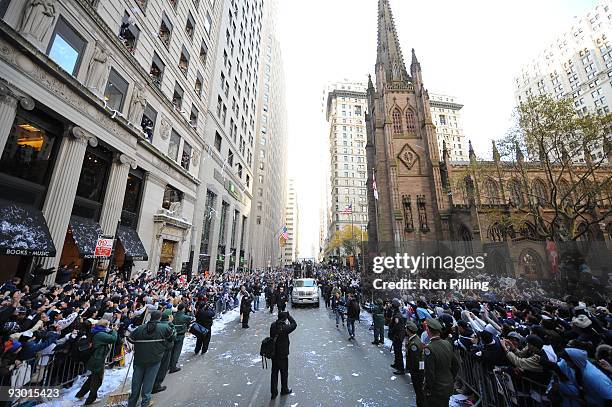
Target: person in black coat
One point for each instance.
(204, 317)
(281, 299)
(280, 330)
(245, 307)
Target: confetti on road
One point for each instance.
(355, 374)
(337, 378)
(393, 377)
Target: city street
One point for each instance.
(324, 368)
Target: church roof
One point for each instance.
(389, 52)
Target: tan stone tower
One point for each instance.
(402, 151)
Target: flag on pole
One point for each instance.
(285, 234)
(374, 185)
(348, 210)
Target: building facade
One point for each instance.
(345, 112)
(292, 221)
(222, 226)
(446, 115)
(109, 127)
(576, 65)
(426, 203)
(271, 144)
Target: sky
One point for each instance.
(470, 49)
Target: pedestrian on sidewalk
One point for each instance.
(150, 343)
(256, 295)
(181, 322)
(352, 315)
(204, 316)
(166, 319)
(338, 308)
(245, 307)
(103, 338)
(280, 330)
(378, 318)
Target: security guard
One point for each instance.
(414, 361)
(441, 367)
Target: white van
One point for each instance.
(305, 291)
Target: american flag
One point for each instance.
(285, 234)
(348, 210)
(374, 185)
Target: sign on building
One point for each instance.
(104, 246)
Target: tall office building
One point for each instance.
(577, 64)
(292, 219)
(446, 115)
(226, 174)
(102, 128)
(270, 167)
(345, 111)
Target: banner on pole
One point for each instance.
(104, 246)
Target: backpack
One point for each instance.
(267, 350)
(83, 348)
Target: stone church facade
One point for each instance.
(427, 203)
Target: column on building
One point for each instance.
(8, 110)
(214, 237)
(62, 190)
(115, 192)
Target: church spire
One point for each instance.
(390, 62)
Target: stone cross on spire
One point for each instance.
(389, 54)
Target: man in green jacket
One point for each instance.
(166, 319)
(441, 367)
(151, 341)
(103, 337)
(181, 323)
(378, 317)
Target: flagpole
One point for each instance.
(352, 232)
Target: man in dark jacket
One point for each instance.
(150, 342)
(245, 307)
(204, 317)
(397, 333)
(256, 295)
(378, 318)
(352, 315)
(281, 299)
(280, 331)
(181, 323)
(166, 319)
(102, 340)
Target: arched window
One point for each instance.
(397, 121)
(496, 264)
(466, 238)
(495, 232)
(491, 192)
(461, 194)
(564, 195)
(530, 264)
(540, 192)
(516, 193)
(410, 120)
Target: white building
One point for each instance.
(345, 111)
(577, 64)
(446, 114)
(270, 168)
(292, 220)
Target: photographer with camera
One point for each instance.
(279, 331)
(204, 316)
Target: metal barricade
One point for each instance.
(497, 387)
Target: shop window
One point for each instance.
(186, 156)
(132, 198)
(174, 146)
(148, 122)
(66, 47)
(129, 33)
(171, 196)
(157, 70)
(115, 92)
(29, 155)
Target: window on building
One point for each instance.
(442, 119)
(171, 195)
(203, 52)
(116, 89)
(165, 30)
(157, 70)
(223, 220)
(129, 33)
(193, 117)
(230, 158)
(149, 117)
(396, 117)
(177, 97)
(190, 26)
(92, 182)
(410, 120)
(174, 145)
(4, 4)
(66, 46)
(248, 180)
(218, 141)
(184, 61)
(186, 156)
(132, 198)
(207, 23)
(209, 216)
(198, 85)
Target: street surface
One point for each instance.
(325, 369)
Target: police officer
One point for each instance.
(441, 366)
(397, 333)
(414, 361)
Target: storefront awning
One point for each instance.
(85, 233)
(134, 249)
(24, 231)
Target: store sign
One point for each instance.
(24, 252)
(104, 246)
